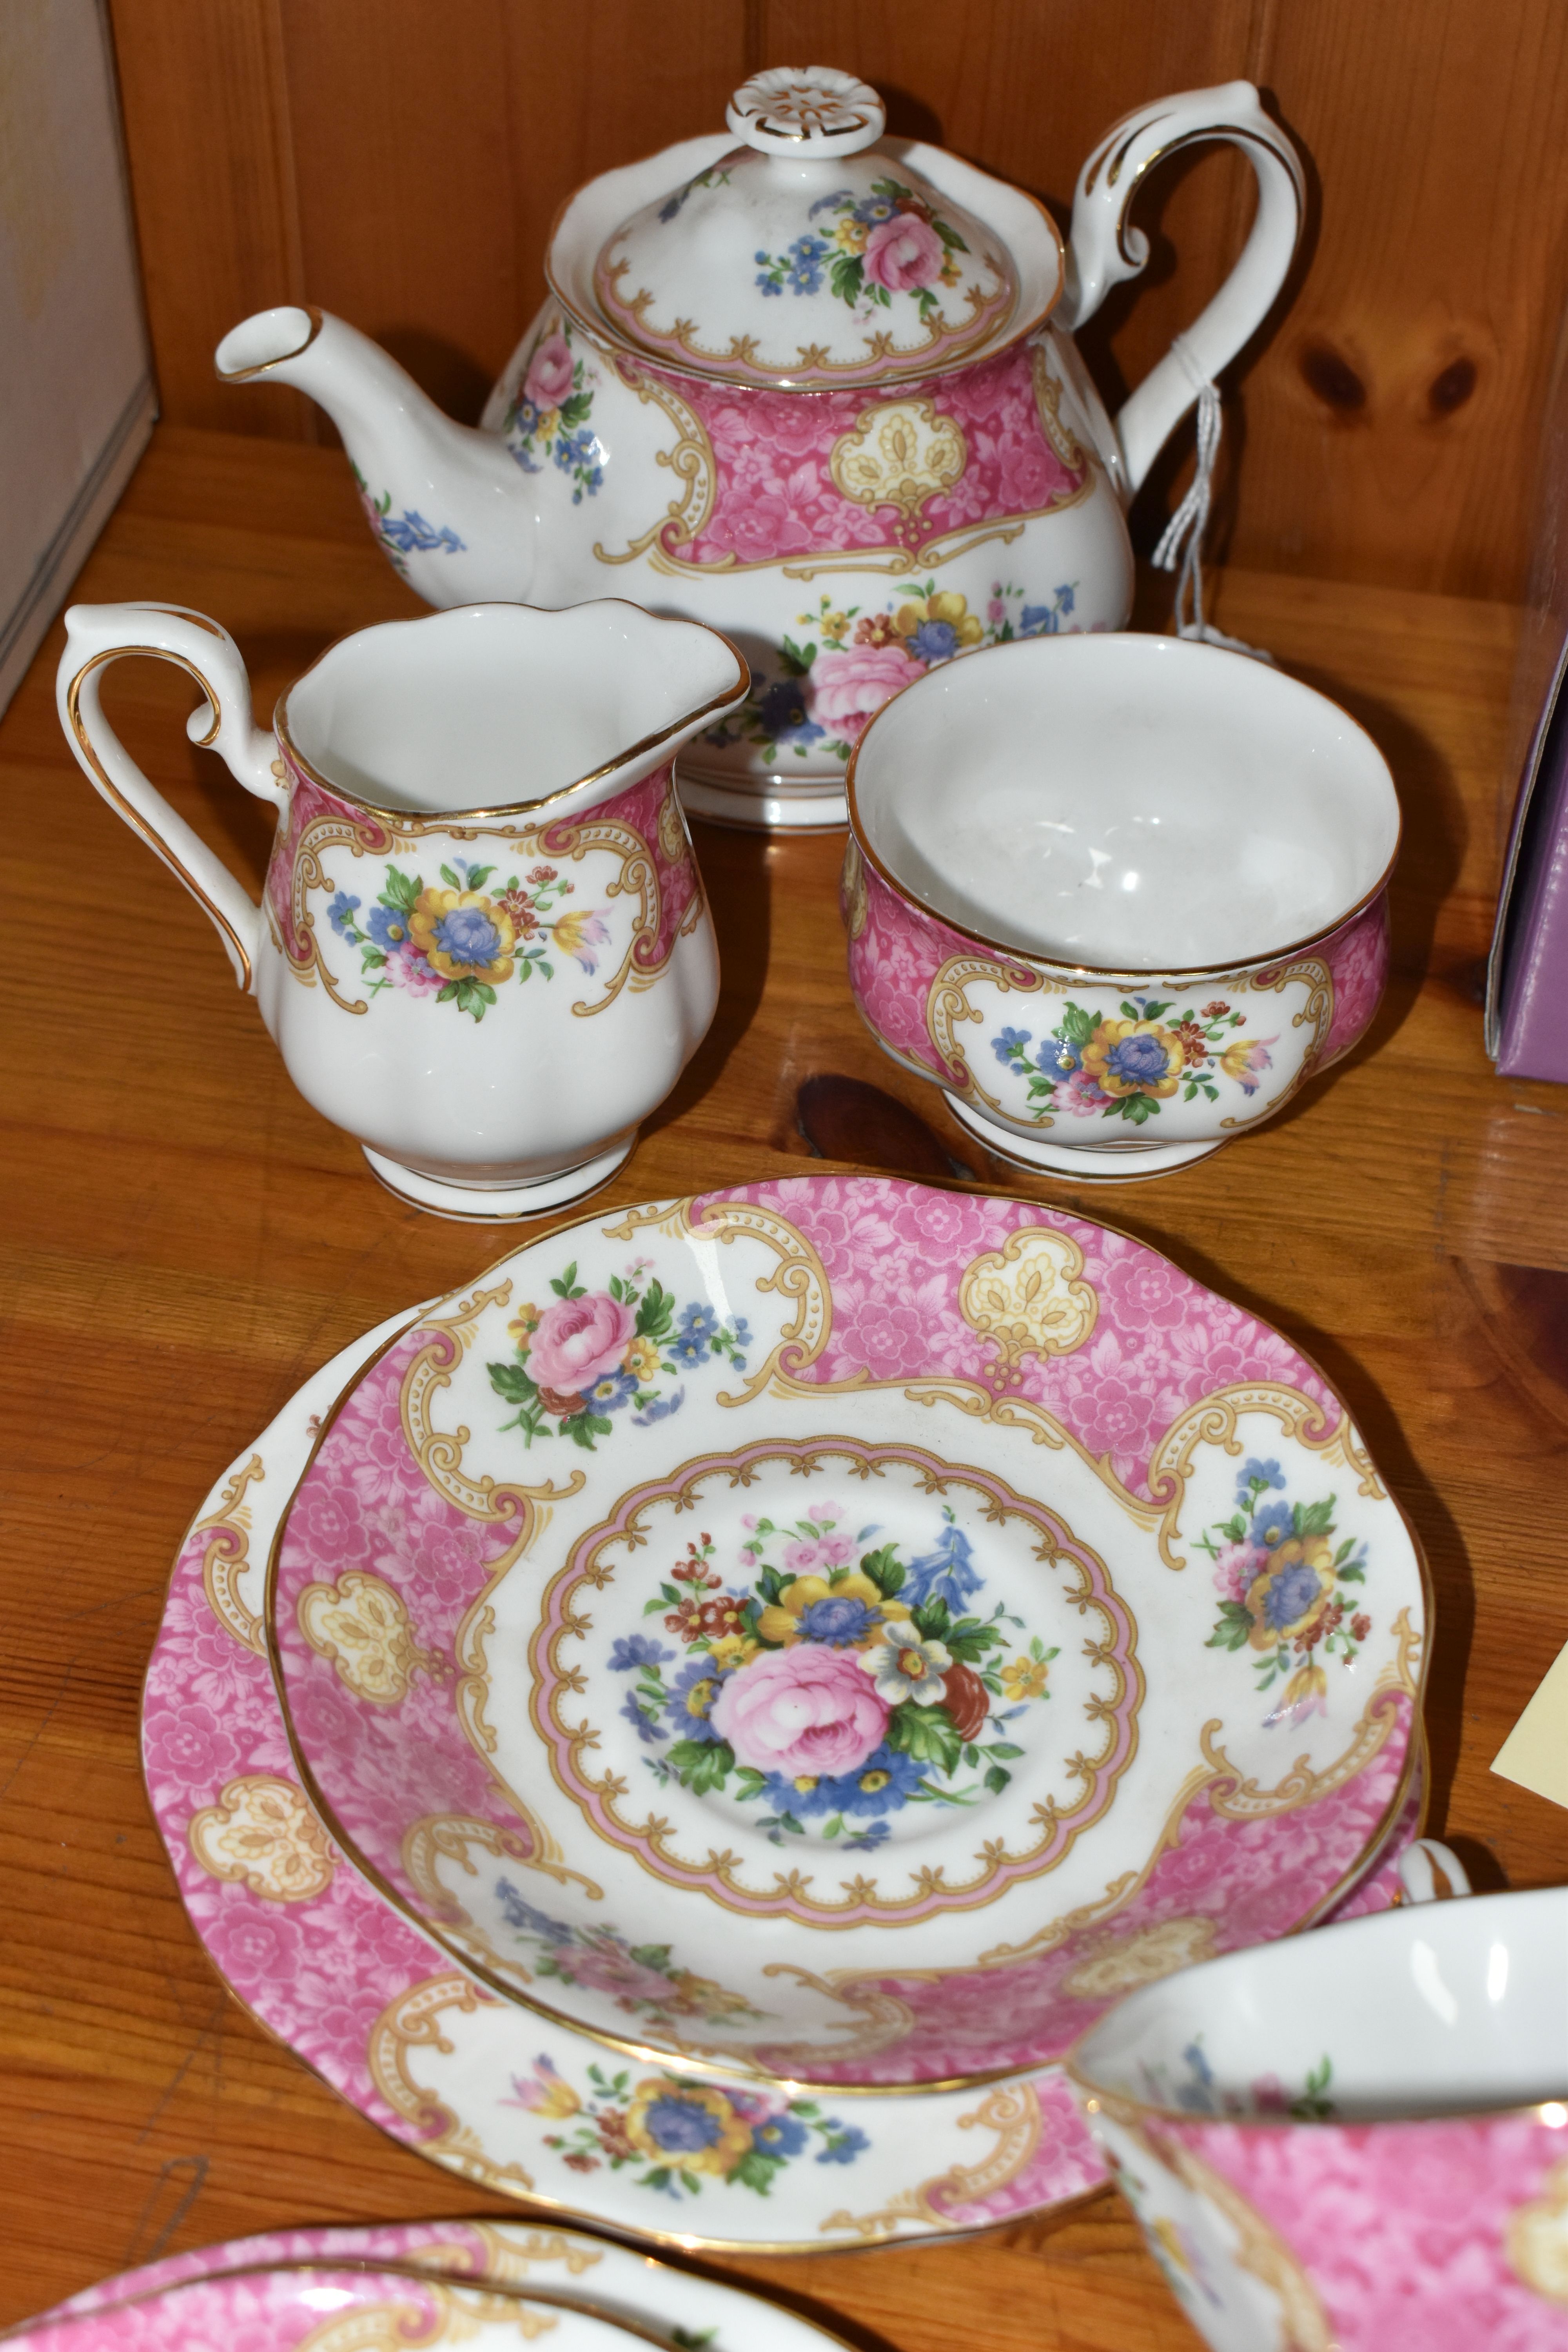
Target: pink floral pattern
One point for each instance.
(1404, 2228)
(774, 495)
(265, 2313)
(1357, 958)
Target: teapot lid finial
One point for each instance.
(818, 111)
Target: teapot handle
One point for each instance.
(1105, 248)
(97, 635)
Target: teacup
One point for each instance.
(1354, 2141)
(1118, 895)
(483, 946)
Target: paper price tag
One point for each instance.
(1535, 1752)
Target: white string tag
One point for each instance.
(1181, 543)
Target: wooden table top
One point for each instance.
(185, 1241)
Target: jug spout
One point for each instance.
(453, 512)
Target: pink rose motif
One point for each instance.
(604, 1969)
(549, 379)
(579, 1340)
(1235, 1567)
(846, 688)
(405, 968)
(803, 1712)
(903, 252)
(1080, 1095)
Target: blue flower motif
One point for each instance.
(412, 535)
(945, 1574)
(1257, 1473)
(467, 935)
(840, 1620)
(781, 712)
(1039, 621)
(1197, 2096)
(388, 926)
(520, 1912)
(698, 1318)
(872, 209)
(1138, 1060)
(848, 2141)
(866, 1839)
(1011, 1041)
(1058, 1058)
(1065, 599)
(679, 2126)
(883, 1784)
(341, 913)
(1291, 1596)
(1271, 1523)
(934, 641)
(645, 1725)
(805, 258)
(614, 1390)
(782, 2135)
(691, 1696)
(635, 1650)
(740, 1331)
(660, 1409)
(827, 203)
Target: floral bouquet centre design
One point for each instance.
(1290, 1592)
(1100, 1065)
(459, 943)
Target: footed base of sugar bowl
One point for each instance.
(1087, 1163)
(498, 1204)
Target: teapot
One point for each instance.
(815, 387)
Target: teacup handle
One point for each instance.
(1431, 1872)
(97, 635)
(1105, 248)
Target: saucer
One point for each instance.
(510, 2256)
(779, 1572)
(331, 2307)
(513, 2103)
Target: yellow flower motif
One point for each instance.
(1134, 1058)
(1288, 1583)
(641, 1359)
(524, 1323)
(655, 2126)
(948, 605)
(1306, 1692)
(549, 418)
(850, 237)
(731, 1649)
(466, 935)
(780, 1623)
(559, 2100)
(710, 1998)
(1025, 1678)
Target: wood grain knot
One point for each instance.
(1452, 386)
(1329, 374)
(846, 1119)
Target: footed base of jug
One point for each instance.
(497, 1205)
(1085, 1163)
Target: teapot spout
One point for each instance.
(453, 512)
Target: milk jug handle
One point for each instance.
(1105, 248)
(97, 635)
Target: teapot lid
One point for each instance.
(814, 253)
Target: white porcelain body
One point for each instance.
(1358, 2141)
(466, 805)
(1118, 895)
(600, 467)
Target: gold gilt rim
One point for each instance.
(278, 359)
(406, 819)
(1360, 1868)
(603, 333)
(366, 2266)
(1037, 961)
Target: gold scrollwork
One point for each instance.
(1117, 1964)
(1214, 1421)
(439, 1453)
(799, 1276)
(227, 1554)
(900, 453)
(1535, 2239)
(411, 2021)
(1241, 1800)
(1029, 1297)
(1318, 1009)
(691, 461)
(1259, 2248)
(262, 1834)
(361, 1626)
(1062, 438)
(301, 948)
(947, 1003)
(447, 1837)
(852, 889)
(1013, 2113)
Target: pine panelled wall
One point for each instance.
(400, 162)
